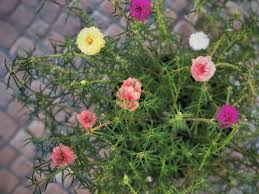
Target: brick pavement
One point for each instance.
(22, 29)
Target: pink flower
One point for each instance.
(132, 82)
(129, 105)
(129, 94)
(202, 68)
(227, 116)
(140, 9)
(87, 119)
(62, 156)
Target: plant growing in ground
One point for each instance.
(142, 111)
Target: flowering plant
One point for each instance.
(142, 112)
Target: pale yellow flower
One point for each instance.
(90, 40)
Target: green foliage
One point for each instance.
(172, 137)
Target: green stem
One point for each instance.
(161, 20)
(229, 89)
(229, 137)
(209, 151)
(200, 120)
(228, 65)
(217, 45)
(251, 87)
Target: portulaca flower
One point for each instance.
(199, 41)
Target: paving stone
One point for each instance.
(62, 2)
(38, 86)
(55, 188)
(18, 112)
(193, 18)
(40, 50)
(101, 21)
(107, 7)
(22, 45)
(177, 5)
(103, 153)
(36, 128)
(234, 191)
(60, 116)
(8, 127)
(7, 6)
(38, 29)
(55, 38)
(123, 22)
(31, 3)
(93, 4)
(22, 167)
(234, 8)
(67, 25)
(68, 180)
(171, 15)
(3, 58)
(7, 154)
(8, 181)
(84, 4)
(80, 191)
(255, 6)
(8, 34)
(22, 190)
(113, 30)
(49, 11)
(19, 142)
(185, 29)
(22, 17)
(77, 62)
(6, 95)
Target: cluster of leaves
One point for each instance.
(169, 143)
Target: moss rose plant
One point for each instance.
(142, 112)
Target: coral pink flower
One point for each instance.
(132, 82)
(62, 156)
(129, 105)
(87, 119)
(227, 116)
(202, 68)
(140, 9)
(129, 94)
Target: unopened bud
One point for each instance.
(83, 82)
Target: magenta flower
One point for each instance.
(140, 9)
(227, 116)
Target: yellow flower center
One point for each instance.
(89, 40)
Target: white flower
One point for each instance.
(199, 41)
(149, 179)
